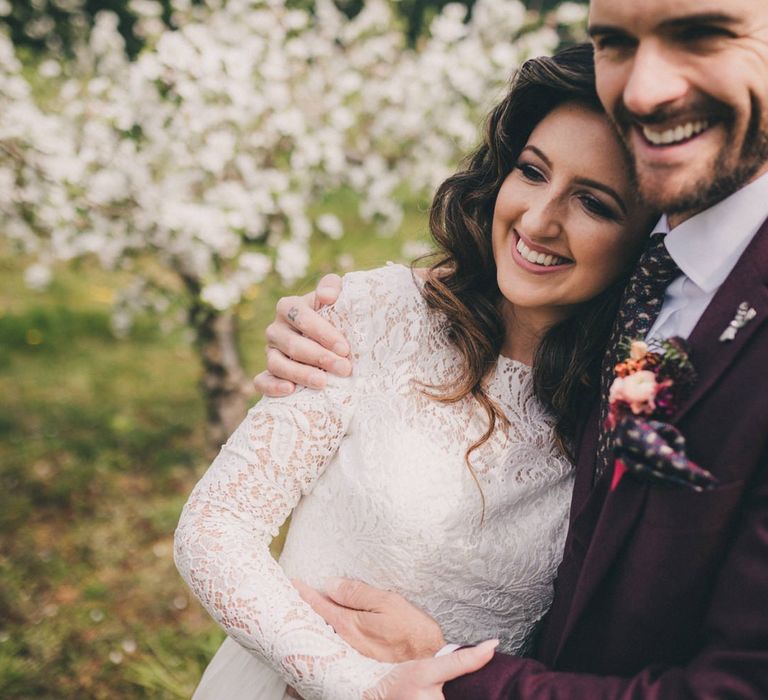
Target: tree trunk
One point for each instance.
(225, 386)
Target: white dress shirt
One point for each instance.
(706, 248)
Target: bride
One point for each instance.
(440, 469)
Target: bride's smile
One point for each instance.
(561, 233)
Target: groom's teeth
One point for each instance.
(543, 259)
(676, 135)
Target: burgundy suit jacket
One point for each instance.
(662, 591)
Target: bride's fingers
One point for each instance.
(459, 663)
(423, 680)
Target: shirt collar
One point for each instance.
(707, 246)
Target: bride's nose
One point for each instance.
(541, 219)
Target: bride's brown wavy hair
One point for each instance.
(461, 283)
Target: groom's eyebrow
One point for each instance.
(673, 23)
(700, 18)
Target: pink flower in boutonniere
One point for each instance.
(637, 390)
(650, 383)
(649, 386)
(638, 349)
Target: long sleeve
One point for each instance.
(732, 655)
(222, 541)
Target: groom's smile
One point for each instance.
(678, 137)
(673, 135)
(686, 83)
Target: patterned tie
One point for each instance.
(639, 308)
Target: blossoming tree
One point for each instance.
(194, 168)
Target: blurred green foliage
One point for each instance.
(101, 441)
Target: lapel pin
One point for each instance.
(744, 314)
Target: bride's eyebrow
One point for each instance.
(613, 194)
(587, 182)
(538, 152)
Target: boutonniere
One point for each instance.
(648, 388)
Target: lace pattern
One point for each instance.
(374, 473)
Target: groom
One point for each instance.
(663, 591)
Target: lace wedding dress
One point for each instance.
(373, 472)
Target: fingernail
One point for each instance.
(490, 643)
(285, 388)
(342, 368)
(317, 380)
(326, 291)
(341, 349)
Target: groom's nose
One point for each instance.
(656, 78)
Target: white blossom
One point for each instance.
(221, 295)
(330, 225)
(292, 260)
(37, 276)
(213, 153)
(572, 13)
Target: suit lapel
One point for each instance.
(712, 356)
(622, 508)
(620, 512)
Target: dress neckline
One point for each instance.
(508, 361)
(502, 360)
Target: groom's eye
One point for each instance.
(616, 41)
(703, 32)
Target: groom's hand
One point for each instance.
(423, 680)
(301, 343)
(379, 624)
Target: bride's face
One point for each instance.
(566, 222)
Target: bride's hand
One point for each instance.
(301, 343)
(423, 680)
(379, 624)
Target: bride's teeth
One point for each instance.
(676, 135)
(532, 256)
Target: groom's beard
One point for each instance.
(734, 165)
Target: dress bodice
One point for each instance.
(374, 471)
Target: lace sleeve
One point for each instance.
(222, 541)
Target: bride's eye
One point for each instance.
(594, 206)
(530, 172)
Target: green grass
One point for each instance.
(101, 440)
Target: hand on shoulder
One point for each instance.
(302, 345)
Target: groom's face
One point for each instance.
(686, 83)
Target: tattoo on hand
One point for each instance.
(293, 312)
